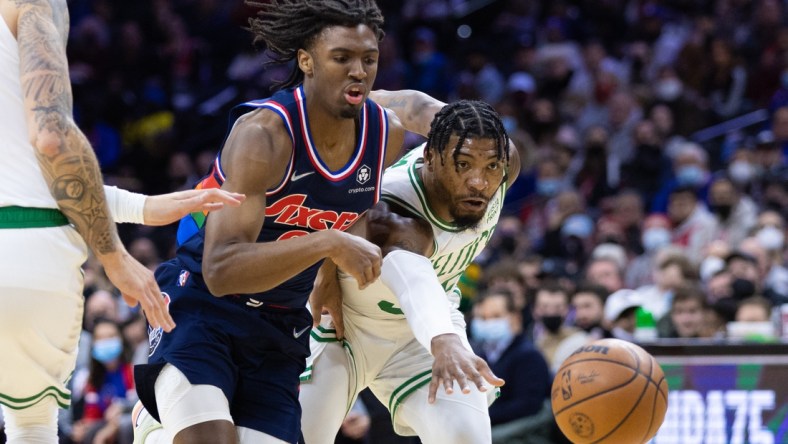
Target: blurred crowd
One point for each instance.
(652, 201)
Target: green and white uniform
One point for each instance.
(40, 258)
(380, 350)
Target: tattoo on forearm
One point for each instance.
(65, 156)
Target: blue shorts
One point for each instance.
(255, 355)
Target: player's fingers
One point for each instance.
(462, 380)
(448, 384)
(433, 389)
(476, 377)
(160, 308)
(339, 323)
(488, 375)
(130, 301)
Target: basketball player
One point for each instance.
(310, 160)
(52, 207)
(404, 334)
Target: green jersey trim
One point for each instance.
(63, 399)
(408, 387)
(418, 186)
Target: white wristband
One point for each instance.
(125, 206)
(412, 279)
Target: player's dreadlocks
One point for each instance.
(285, 26)
(467, 119)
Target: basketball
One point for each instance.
(610, 391)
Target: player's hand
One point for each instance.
(327, 295)
(453, 362)
(359, 258)
(168, 208)
(137, 285)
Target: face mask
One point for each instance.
(548, 187)
(107, 350)
(722, 210)
(509, 123)
(668, 89)
(742, 288)
(690, 175)
(654, 238)
(741, 172)
(552, 323)
(491, 330)
(771, 238)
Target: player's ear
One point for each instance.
(428, 159)
(305, 62)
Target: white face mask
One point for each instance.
(771, 238)
(491, 330)
(668, 89)
(741, 172)
(654, 238)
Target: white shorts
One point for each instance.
(40, 313)
(384, 356)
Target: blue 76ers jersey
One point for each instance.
(311, 197)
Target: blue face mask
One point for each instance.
(690, 175)
(548, 187)
(654, 238)
(107, 350)
(491, 330)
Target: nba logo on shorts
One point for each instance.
(183, 278)
(364, 174)
(154, 334)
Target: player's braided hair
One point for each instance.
(285, 26)
(467, 118)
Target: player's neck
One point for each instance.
(334, 138)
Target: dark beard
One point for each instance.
(467, 222)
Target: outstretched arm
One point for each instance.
(162, 209)
(415, 109)
(406, 271)
(64, 155)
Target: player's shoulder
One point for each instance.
(261, 122)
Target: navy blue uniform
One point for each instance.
(253, 346)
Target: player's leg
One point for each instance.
(36, 424)
(250, 436)
(325, 397)
(457, 418)
(39, 332)
(192, 413)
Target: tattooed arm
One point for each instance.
(64, 154)
(415, 109)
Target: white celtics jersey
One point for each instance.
(21, 182)
(455, 247)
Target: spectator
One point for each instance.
(754, 309)
(108, 392)
(588, 302)
(552, 337)
(743, 269)
(498, 338)
(687, 314)
(620, 310)
(693, 225)
(656, 235)
(690, 171)
(605, 271)
(735, 213)
(649, 167)
(673, 271)
(770, 236)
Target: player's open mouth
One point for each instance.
(354, 95)
(474, 204)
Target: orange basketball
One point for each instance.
(610, 392)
